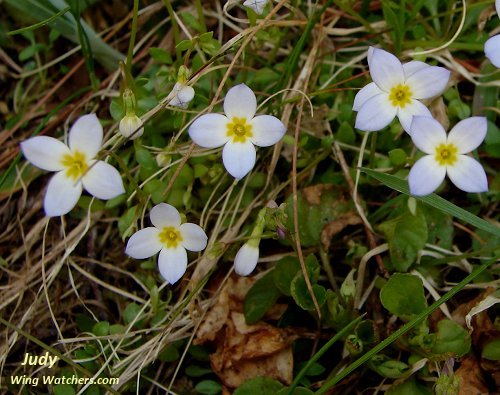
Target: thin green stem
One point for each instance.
(133, 34)
(404, 329)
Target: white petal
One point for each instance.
(267, 130)
(497, 6)
(45, 152)
(412, 67)
(193, 237)
(246, 260)
(428, 82)
(238, 158)
(256, 5)
(144, 243)
(172, 263)
(240, 102)
(103, 181)
(62, 195)
(412, 109)
(468, 134)
(370, 54)
(427, 134)
(492, 50)
(364, 94)
(468, 174)
(376, 113)
(425, 176)
(86, 135)
(386, 70)
(209, 130)
(163, 215)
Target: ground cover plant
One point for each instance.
(249, 197)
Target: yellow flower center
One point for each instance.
(400, 95)
(75, 164)
(446, 154)
(170, 237)
(239, 130)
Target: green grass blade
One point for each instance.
(39, 24)
(322, 350)
(40, 11)
(435, 201)
(405, 328)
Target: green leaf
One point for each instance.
(144, 158)
(197, 371)
(403, 295)
(169, 354)
(30, 51)
(208, 387)
(452, 339)
(313, 217)
(160, 55)
(131, 312)
(389, 368)
(64, 389)
(260, 386)
(184, 45)
(126, 220)
(409, 387)
(491, 350)
(397, 157)
(284, 272)
(406, 236)
(260, 298)
(101, 328)
(435, 201)
(301, 294)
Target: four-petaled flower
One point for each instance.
(446, 155)
(237, 131)
(492, 45)
(168, 237)
(256, 5)
(396, 90)
(75, 166)
(183, 94)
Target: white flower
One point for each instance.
(129, 127)
(256, 5)
(396, 91)
(492, 46)
(75, 166)
(246, 259)
(168, 237)
(183, 94)
(446, 155)
(237, 131)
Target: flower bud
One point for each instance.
(246, 259)
(131, 126)
(183, 94)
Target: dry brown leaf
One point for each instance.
(334, 227)
(245, 351)
(471, 377)
(313, 193)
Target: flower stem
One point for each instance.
(133, 33)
